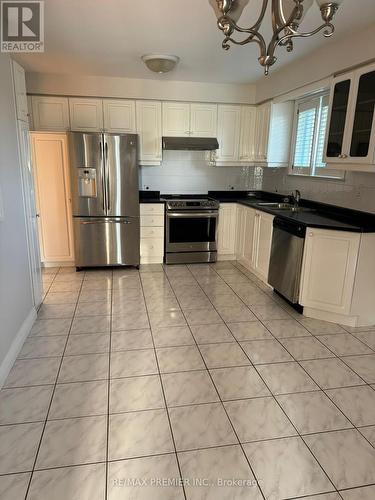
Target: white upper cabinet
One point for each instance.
(149, 129)
(247, 146)
(228, 132)
(329, 268)
(273, 132)
(119, 116)
(350, 140)
(20, 91)
(262, 131)
(189, 119)
(50, 113)
(176, 119)
(235, 133)
(203, 120)
(86, 115)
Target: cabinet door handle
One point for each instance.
(311, 234)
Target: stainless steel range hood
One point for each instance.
(190, 143)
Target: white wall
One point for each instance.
(102, 86)
(187, 172)
(335, 55)
(15, 287)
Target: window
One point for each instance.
(309, 135)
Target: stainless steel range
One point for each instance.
(190, 230)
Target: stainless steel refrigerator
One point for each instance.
(105, 198)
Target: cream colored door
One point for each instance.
(52, 183)
(203, 120)
(176, 119)
(329, 268)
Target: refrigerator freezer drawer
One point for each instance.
(110, 241)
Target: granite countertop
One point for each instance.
(318, 215)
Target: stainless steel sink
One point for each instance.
(284, 206)
(279, 206)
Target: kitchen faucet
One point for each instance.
(296, 198)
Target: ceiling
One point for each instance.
(107, 38)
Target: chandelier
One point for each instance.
(286, 18)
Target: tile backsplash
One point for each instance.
(188, 172)
(356, 191)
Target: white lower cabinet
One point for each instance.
(152, 233)
(254, 240)
(262, 241)
(226, 233)
(245, 235)
(330, 261)
(338, 277)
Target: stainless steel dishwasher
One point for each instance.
(285, 268)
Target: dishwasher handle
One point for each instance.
(292, 227)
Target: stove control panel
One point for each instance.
(191, 204)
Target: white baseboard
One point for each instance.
(16, 346)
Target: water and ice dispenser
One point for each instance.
(87, 186)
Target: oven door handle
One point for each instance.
(205, 215)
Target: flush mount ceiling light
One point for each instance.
(159, 63)
(286, 16)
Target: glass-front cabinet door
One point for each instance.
(337, 135)
(350, 139)
(362, 130)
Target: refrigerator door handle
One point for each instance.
(107, 176)
(102, 176)
(105, 221)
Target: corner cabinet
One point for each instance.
(148, 115)
(226, 233)
(350, 138)
(338, 277)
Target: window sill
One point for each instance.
(319, 177)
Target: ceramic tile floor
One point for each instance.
(191, 382)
